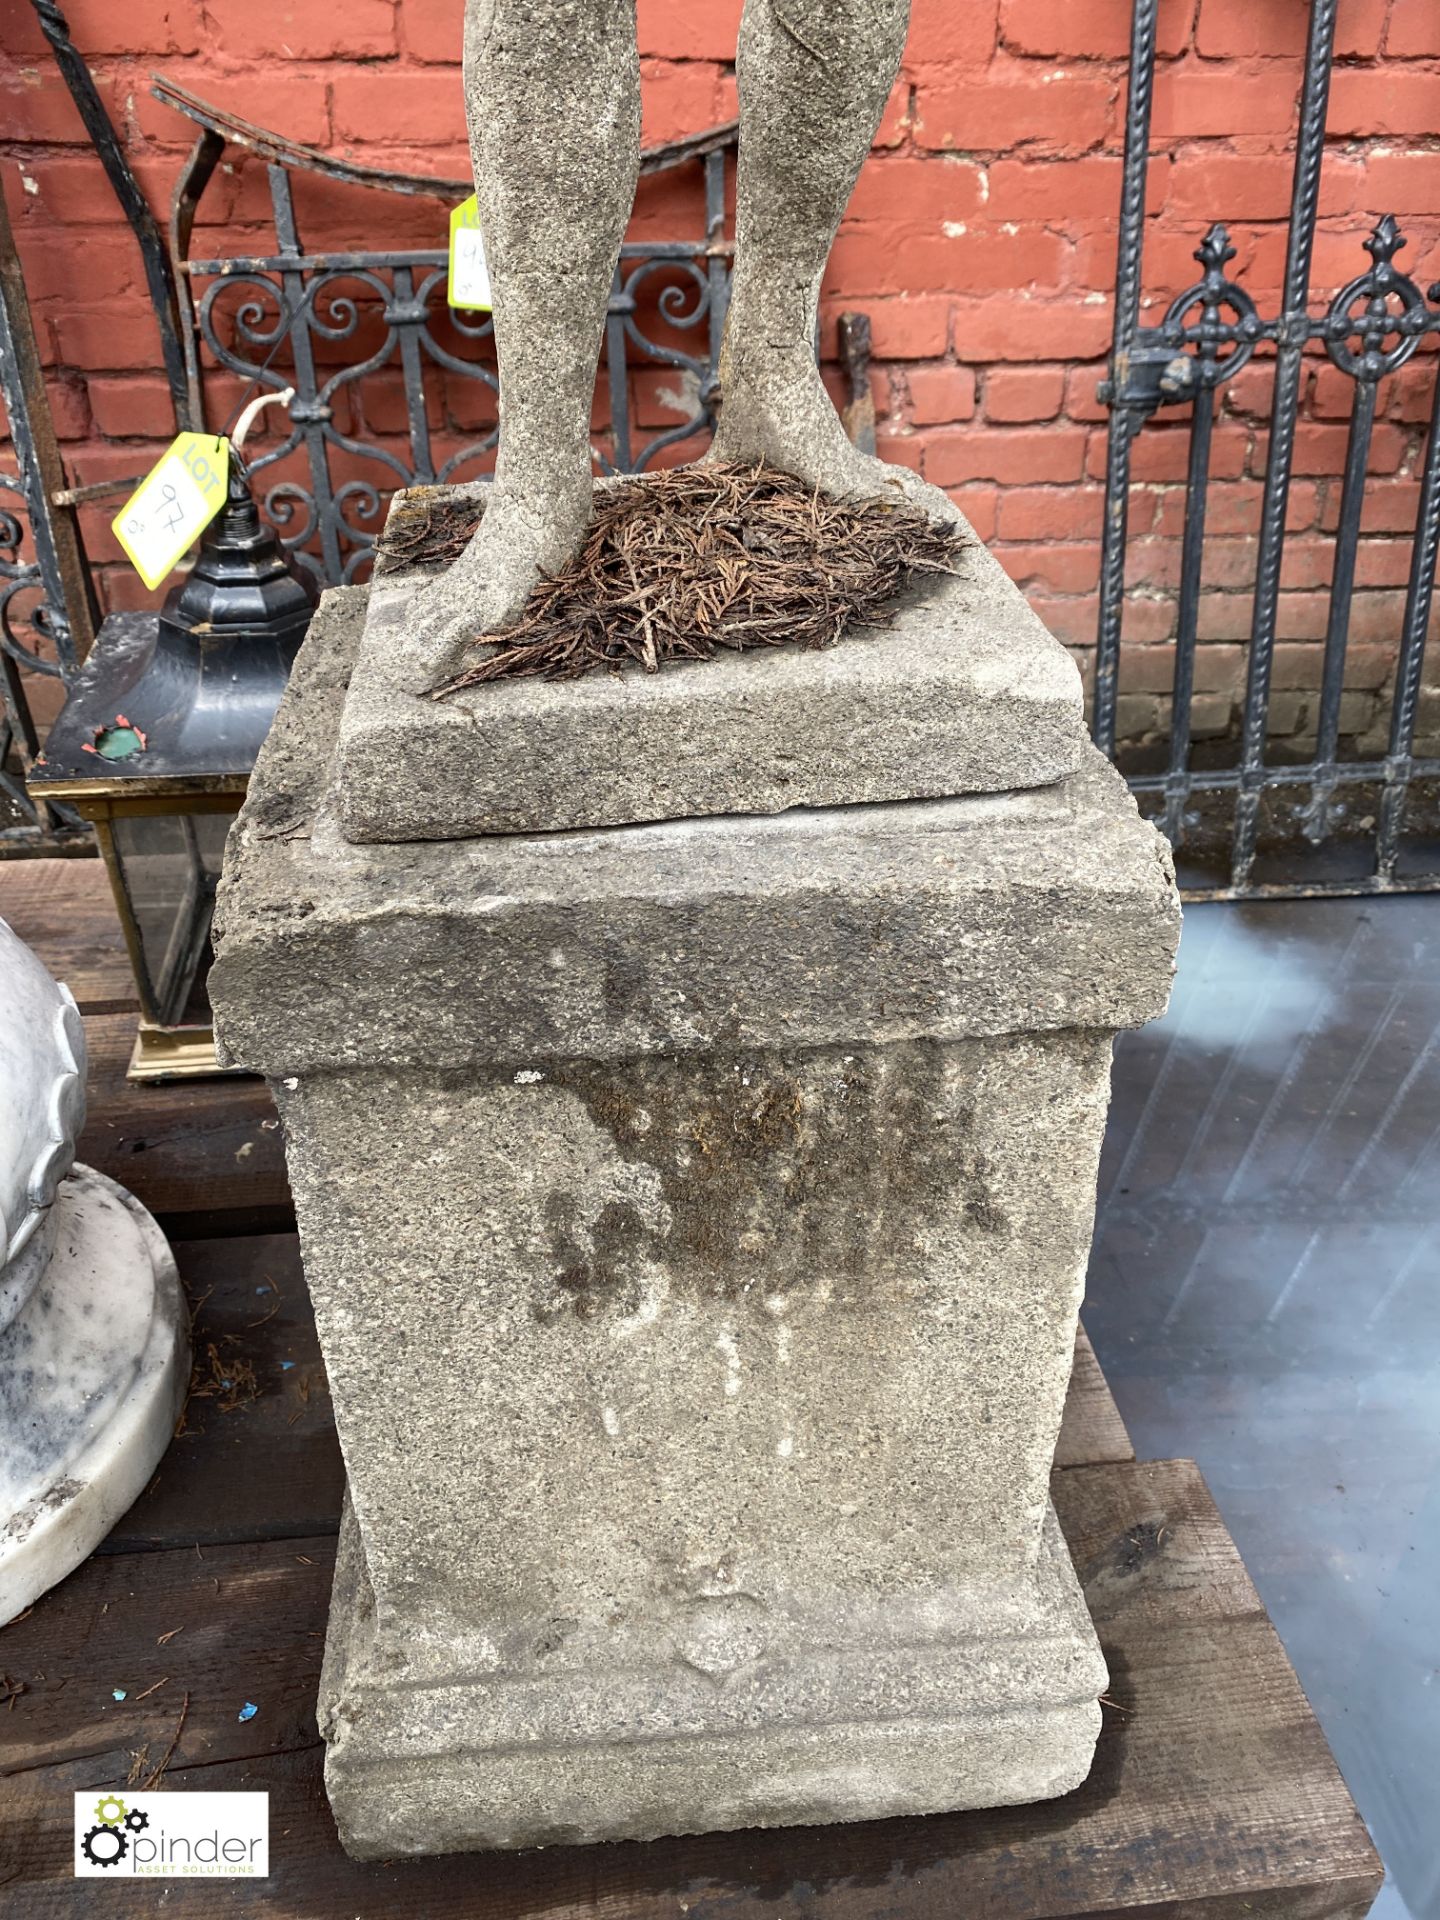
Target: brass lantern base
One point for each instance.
(176, 1053)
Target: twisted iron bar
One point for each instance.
(1293, 331)
(1125, 420)
(1370, 329)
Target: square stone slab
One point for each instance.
(966, 692)
(978, 914)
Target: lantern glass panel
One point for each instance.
(169, 865)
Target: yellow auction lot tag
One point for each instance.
(469, 275)
(174, 504)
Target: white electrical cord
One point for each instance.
(251, 413)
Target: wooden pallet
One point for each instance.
(1213, 1790)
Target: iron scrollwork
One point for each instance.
(1210, 350)
(328, 483)
(1372, 293)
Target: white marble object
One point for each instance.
(94, 1355)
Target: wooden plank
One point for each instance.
(257, 1461)
(206, 1155)
(65, 911)
(247, 1624)
(1091, 1430)
(1213, 1792)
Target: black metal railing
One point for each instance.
(47, 606)
(1209, 332)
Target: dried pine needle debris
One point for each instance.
(693, 562)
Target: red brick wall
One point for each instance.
(980, 242)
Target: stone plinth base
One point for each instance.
(989, 1699)
(696, 1215)
(962, 691)
(746, 1370)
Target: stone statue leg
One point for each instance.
(814, 77)
(552, 95)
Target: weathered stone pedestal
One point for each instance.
(696, 1215)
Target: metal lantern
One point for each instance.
(154, 746)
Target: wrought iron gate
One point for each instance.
(1373, 325)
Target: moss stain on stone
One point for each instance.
(780, 1177)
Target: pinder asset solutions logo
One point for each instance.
(172, 1836)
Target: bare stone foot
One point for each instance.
(779, 411)
(518, 542)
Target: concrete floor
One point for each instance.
(1263, 1297)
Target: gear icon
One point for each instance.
(110, 1819)
(112, 1849)
(137, 1820)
